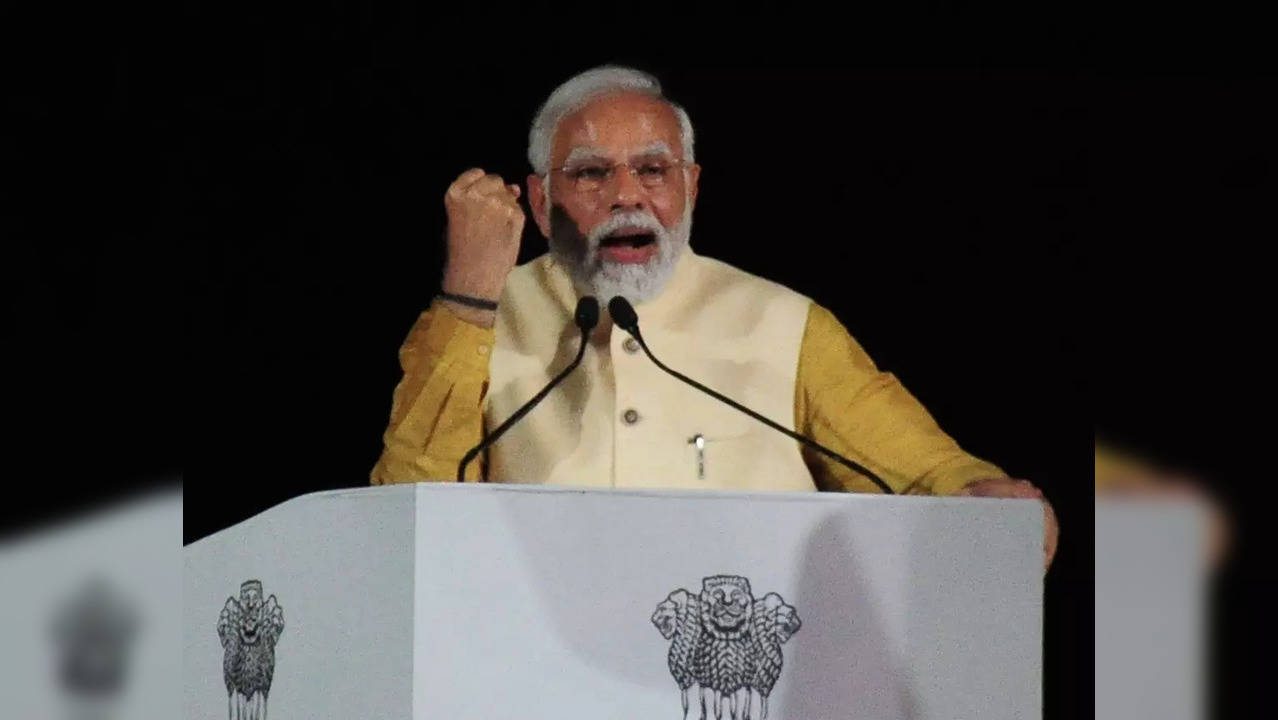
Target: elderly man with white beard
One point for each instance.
(613, 188)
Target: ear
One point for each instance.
(537, 202)
(694, 175)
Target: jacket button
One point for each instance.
(631, 345)
(630, 416)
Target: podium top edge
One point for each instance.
(670, 493)
(774, 496)
(663, 493)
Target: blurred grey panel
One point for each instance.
(1150, 609)
(93, 614)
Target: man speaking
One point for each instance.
(613, 188)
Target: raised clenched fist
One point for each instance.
(485, 222)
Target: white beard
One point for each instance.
(635, 282)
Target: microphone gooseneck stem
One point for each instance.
(514, 418)
(851, 464)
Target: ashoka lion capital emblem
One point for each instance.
(249, 628)
(727, 643)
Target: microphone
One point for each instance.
(586, 318)
(623, 314)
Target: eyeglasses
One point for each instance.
(589, 177)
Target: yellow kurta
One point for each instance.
(1116, 469)
(840, 399)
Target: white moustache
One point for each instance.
(626, 221)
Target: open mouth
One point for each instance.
(634, 240)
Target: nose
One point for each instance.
(627, 192)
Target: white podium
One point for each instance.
(505, 601)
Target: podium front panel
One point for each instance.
(553, 603)
(338, 568)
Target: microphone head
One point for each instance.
(587, 315)
(623, 313)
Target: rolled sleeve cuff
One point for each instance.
(466, 345)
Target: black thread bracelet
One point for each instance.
(469, 301)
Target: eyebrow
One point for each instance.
(657, 148)
(583, 153)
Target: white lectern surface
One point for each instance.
(501, 601)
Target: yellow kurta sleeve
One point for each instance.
(845, 403)
(437, 409)
(1116, 469)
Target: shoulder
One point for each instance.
(738, 302)
(532, 272)
(827, 344)
(727, 278)
(539, 284)
(536, 292)
(822, 323)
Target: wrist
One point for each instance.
(458, 283)
(475, 316)
(469, 300)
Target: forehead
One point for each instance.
(619, 124)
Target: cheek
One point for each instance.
(584, 212)
(668, 210)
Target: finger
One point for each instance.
(1006, 492)
(463, 181)
(1051, 533)
(1024, 489)
(510, 196)
(1005, 489)
(468, 178)
(487, 185)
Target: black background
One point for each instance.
(229, 219)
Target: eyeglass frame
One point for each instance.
(612, 169)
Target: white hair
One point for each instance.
(580, 89)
